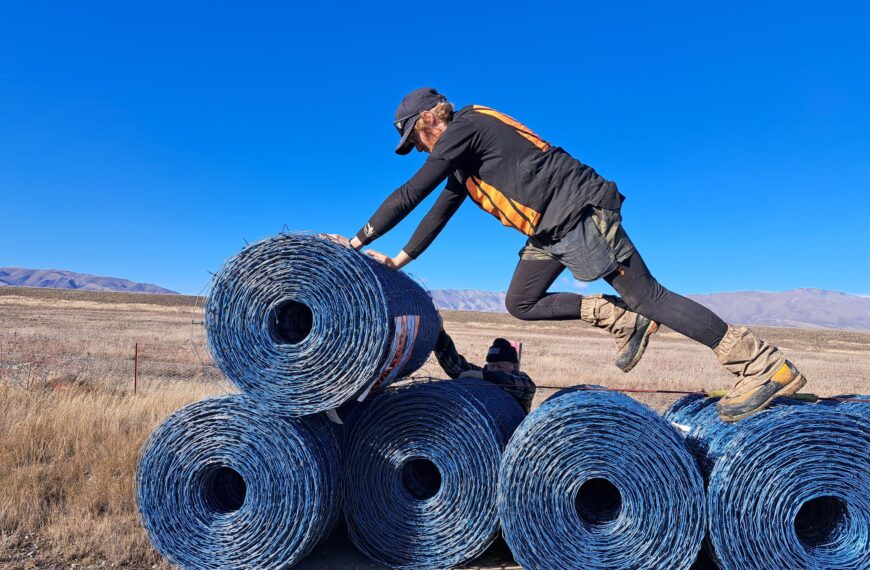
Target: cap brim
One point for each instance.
(405, 145)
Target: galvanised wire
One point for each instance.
(855, 403)
(695, 416)
(787, 488)
(596, 480)
(223, 483)
(305, 323)
(421, 466)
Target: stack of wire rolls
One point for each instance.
(595, 480)
(787, 488)
(306, 324)
(421, 470)
(225, 483)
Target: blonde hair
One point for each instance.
(443, 113)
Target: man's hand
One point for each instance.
(381, 258)
(472, 374)
(397, 262)
(340, 239)
(337, 238)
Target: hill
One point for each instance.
(60, 279)
(805, 308)
(814, 308)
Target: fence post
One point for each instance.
(136, 369)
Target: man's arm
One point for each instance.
(450, 360)
(516, 384)
(430, 226)
(404, 199)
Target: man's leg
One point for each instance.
(527, 296)
(527, 299)
(645, 295)
(590, 251)
(762, 370)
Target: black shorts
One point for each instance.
(593, 249)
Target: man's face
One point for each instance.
(418, 145)
(502, 366)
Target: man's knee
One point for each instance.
(636, 299)
(519, 306)
(645, 296)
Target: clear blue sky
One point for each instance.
(148, 140)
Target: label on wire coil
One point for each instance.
(404, 337)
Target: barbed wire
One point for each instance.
(224, 484)
(197, 348)
(797, 466)
(596, 480)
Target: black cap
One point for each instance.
(502, 351)
(414, 103)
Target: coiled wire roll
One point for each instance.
(224, 484)
(596, 480)
(306, 324)
(787, 488)
(421, 466)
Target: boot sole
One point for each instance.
(788, 390)
(650, 329)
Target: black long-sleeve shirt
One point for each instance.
(507, 170)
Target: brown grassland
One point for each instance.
(71, 427)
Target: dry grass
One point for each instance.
(71, 435)
(71, 428)
(560, 354)
(66, 469)
(44, 338)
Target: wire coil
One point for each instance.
(787, 488)
(223, 484)
(421, 470)
(596, 480)
(306, 324)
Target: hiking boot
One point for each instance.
(739, 404)
(631, 352)
(762, 370)
(631, 330)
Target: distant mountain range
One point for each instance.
(795, 308)
(469, 300)
(59, 279)
(811, 308)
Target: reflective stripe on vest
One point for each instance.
(510, 212)
(520, 128)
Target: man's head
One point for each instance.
(502, 356)
(420, 119)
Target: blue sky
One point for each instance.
(148, 140)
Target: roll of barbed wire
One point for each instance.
(306, 323)
(787, 488)
(421, 467)
(696, 418)
(224, 484)
(596, 480)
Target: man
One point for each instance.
(502, 368)
(571, 217)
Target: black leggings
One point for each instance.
(527, 299)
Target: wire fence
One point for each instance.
(34, 362)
